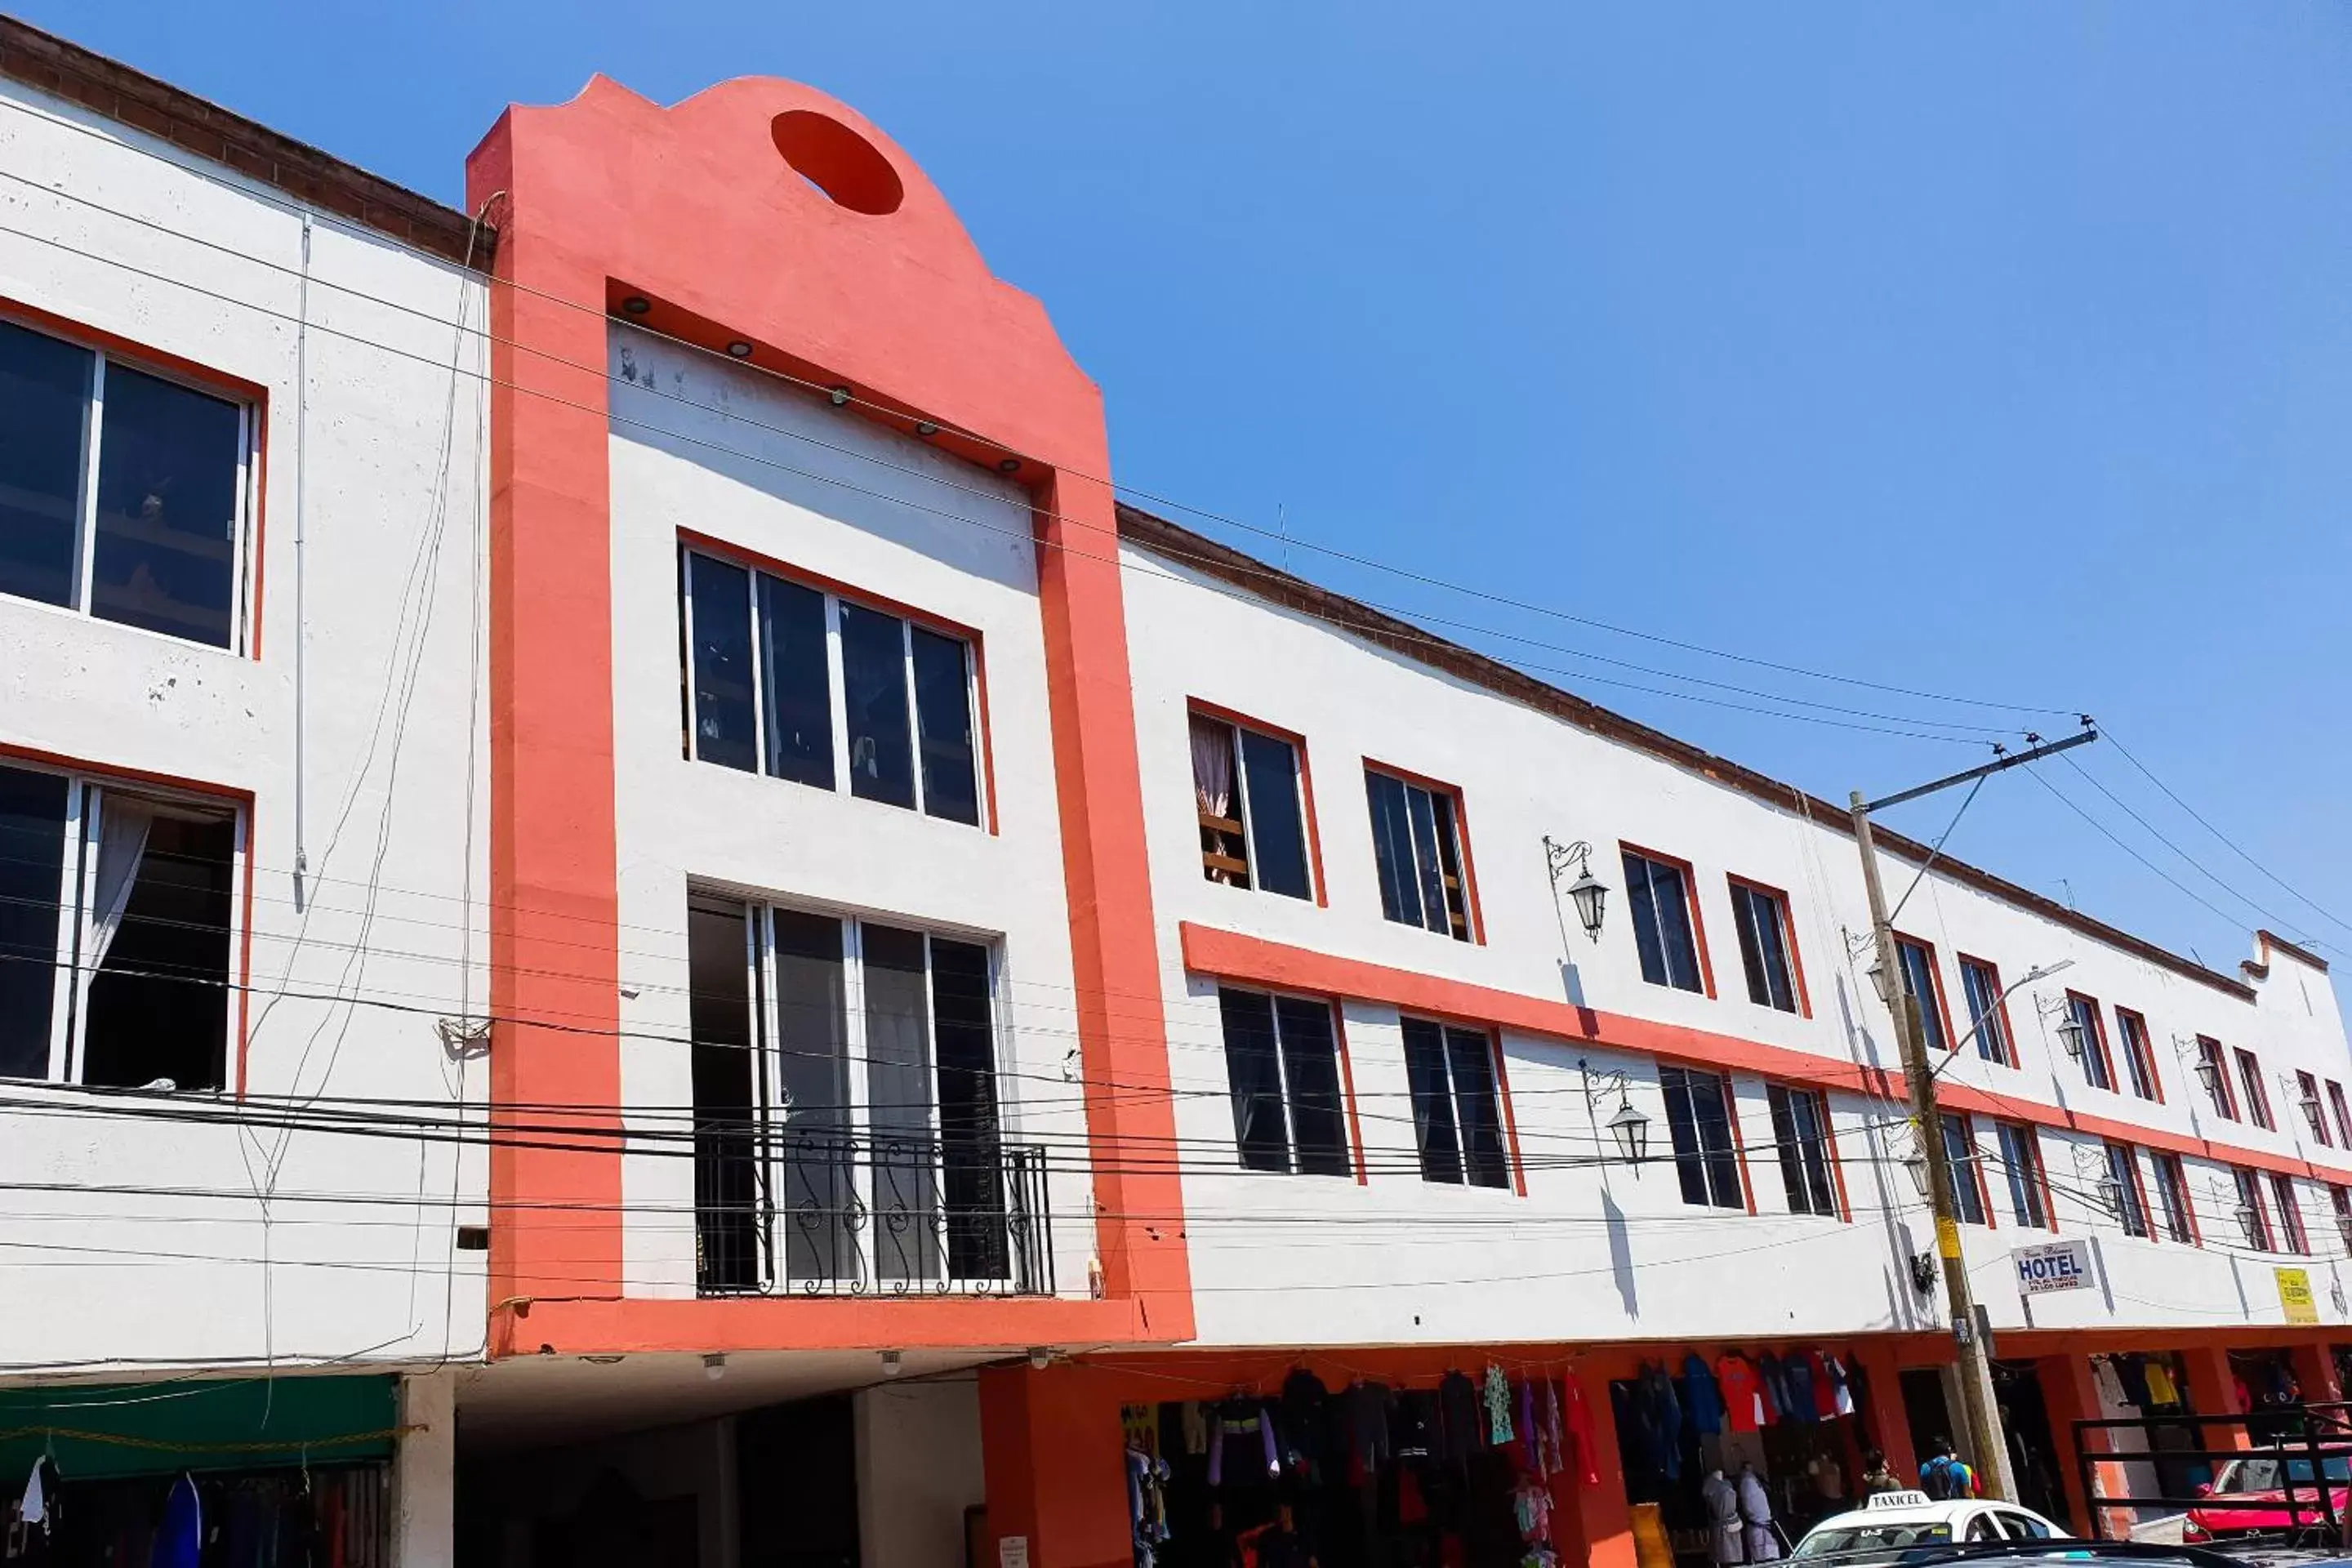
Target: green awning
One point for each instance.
(97, 1431)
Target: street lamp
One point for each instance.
(1916, 1164)
(1589, 893)
(1880, 984)
(1632, 1131)
(2070, 1031)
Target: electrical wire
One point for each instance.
(1205, 514)
(1855, 721)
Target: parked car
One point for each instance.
(1897, 1526)
(2249, 1495)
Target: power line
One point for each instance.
(1203, 513)
(1855, 719)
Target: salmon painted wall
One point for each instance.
(714, 213)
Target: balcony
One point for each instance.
(830, 1213)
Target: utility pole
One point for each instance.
(1988, 1445)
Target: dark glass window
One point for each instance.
(1762, 920)
(168, 473)
(1981, 986)
(725, 730)
(2290, 1211)
(2096, 1069)
(1417, 852)
(158, 537)
(874, 692)
(45, 394)
(1960, 1155)
(2138, 1059)
(2252, 1218)
(1272, 815)
(158, 1001)
(32, 872)
(2172, 1192)
(1659, 897)
(2020, 1158)
(1282, 1067)
(943, 714)
(797, 682)
(1801, 1128)
(1698, 1117)
(2258, 1099)
(1919, 982)
(726, 1177)
(1456, 1103)
(963, 1020)
(2122, 1191)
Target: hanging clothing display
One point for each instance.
(1306, 1419)
(1460, 1422)
(180, 1537)
(1251, 1426)
(1498, 1406)
(1367, 1406)
(1701, 1400)
(2160, 1386)
(1579, 1432)
(1740, 1392)
(1841, 1387)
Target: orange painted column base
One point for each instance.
(1054, 1466)
(1598, 1529)
(2212, 1391)
(1888, 1422)
(2315, 1368)
(2070, 1394)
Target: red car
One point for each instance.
(2249, 1495)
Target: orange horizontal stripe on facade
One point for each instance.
(1232, 955)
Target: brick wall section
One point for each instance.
(107, 86)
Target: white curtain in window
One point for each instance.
(123, 826)
(1213, 767)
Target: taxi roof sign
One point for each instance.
(1899, 1500)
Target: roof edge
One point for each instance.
(1201, 554)
(108, 86)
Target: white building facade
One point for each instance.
(944, 1001)
(242, 893)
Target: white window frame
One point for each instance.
(77, 891)
(837, 683)
(93, 431)
(1248, 816)
(773, 1110)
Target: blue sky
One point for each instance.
(2002, 351)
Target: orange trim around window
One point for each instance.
(1723, 1087)
(1934, 981)
(970, 636)
(1461, 838)
(1348, 1088)
(2144, 1052)
(254, 396)
(1785, 912)
(1690, 893)
(240, 801)
(1976, 1167)
(2258, 1093)
(2001, 1006)
(1510, 1119)
(2225, 1092)
(1298, 744)
(2098, 1040)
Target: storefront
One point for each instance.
(250, 1473)
(1464, 1466)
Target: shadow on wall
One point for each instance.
(1620, 1253)
(769, 437)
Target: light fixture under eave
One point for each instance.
(1041, 1356)
(1008, 465)
(840, 395)
(925, 427)
(892, 1363)
(636, 304)
(739, 349)
(714, 1365)
(1632, 1131)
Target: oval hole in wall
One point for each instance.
(849, 170)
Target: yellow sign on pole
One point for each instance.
(1948, 1239)
(2295, 1295)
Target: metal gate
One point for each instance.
(2295, 1474)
